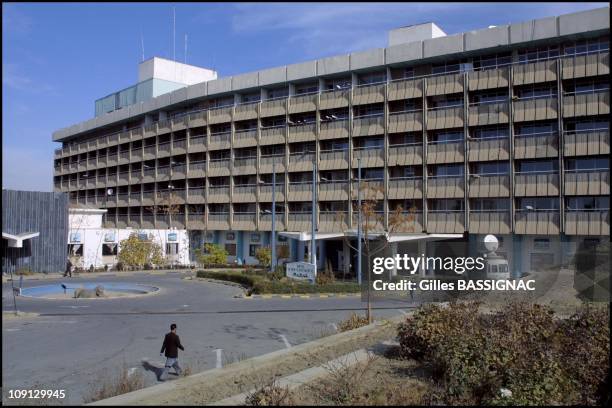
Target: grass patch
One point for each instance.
(261, 282)
(122, 383)
(353, 322)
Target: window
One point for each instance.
(306, 89)
(253, 250)
(538, 203)
(490, 204)
(75, 249)
(587, 86)
(587, 163)
(492, 132)
(492, 61)
(172, 248)
(588, 203)
(541, 243)
(538, 54)
(372, 78)
(586, 124)
(490, 97)
(452, 67)
(449, 136)
(496, 167)
(446, 101)
(537, 92)
(109, 249)
(230, 236)
(371, 174)
(535, 166)
(593, 45)
(278, 93)
(255, 237)
(446, 205)
(253, 97)
(446, 170)
(231, 249)
(536, 128)
(369, 110)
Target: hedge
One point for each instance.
(257, 283)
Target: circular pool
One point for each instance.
(68, 290)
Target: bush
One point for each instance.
(541, 360)
(136, 252)
(270, 394)
(211, 254)
(264, 256)
(353, 322)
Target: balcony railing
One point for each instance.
(537, 222)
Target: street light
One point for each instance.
(273, 237)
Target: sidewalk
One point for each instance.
(58, 275)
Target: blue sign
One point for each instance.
(75, 237)
(172, 236)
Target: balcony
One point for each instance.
(197, 119)
(163, 173)
(196, 221)
(150, 152)
(534, 72)
(444, 84)
(113, 139)
(179, 146)
(488, 79)
(91, 163)
(481, 114)
(196, 195)
(303, 103)
(112, 160)
(219, 168)
(531, 109)
(405, 89)
(302, 133)
(367, 94)
(592, 222)
(405, 121)
(406, 222)
(333, 191)
(333, 221)
(246, 111)
(244, 221)
(300, 191)
(334, 129)
(163, 127)
(587, 182)
(136, 155)
(537, 145)
(179, 123)
(372, 189)
(124, 178)
(135, 198)
(265, 192)
(148, 174)
(245, 138)
(445, 117)
(245, 193)
(219, 141)
(489, 149)
(405, 154)
(218, 194)
(148, 221)
(536, 184)
(82, 165)
(218, 221)
(490, 222)
(542, 222)
(179, 171)
(405, 187)
(273, 135)
(220, 115)
(596, 141)
(197, 144)
(333, 159)
(122, 221)
(446, 222)
(273, 107)
(245, 165)
(100, 180)
(586, 104)
(445, 152)
(445, 187)
(580, 66)
(370, 156)
(197, 169)
(122, 199)
(265, 222)
(334, 99)
(301, 162)
(372, 223)
(300, 221)
(369, 125)
(489, 185)
(265, 163)
(148, 198)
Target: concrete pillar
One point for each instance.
(346, 253)
(517, 256)
(301, 251)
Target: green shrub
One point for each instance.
(236, 277)
(264, 256)
(542, 361)
(211, 254)
(136, 252)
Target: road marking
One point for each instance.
(286, 296)
(284, 339)
(334, 326)
(305, 296)
(74, 307)
(219, 364)
(185, 305)
(12, 330)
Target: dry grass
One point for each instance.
(353, 322)
(271, 394)
(111, 387)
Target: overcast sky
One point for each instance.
(58, 58)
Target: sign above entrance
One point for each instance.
(302, 270)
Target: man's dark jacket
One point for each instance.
(171, 344)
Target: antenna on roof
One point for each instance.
(185, 48)
(142, 45)
(174, 33)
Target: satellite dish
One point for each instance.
(491, 243)
(109, 191)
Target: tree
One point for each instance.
(372, 222)
(138, 252)
(211, 254)
(168, 204)
(264, 256)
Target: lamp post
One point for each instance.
(359, 221)
(273, 238)
(313, 241)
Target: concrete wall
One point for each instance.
(174, 71)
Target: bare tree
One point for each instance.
(169, 204)
(372, 227)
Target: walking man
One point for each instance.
(68, 268)
(171, 345)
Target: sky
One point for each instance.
(57, 58)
